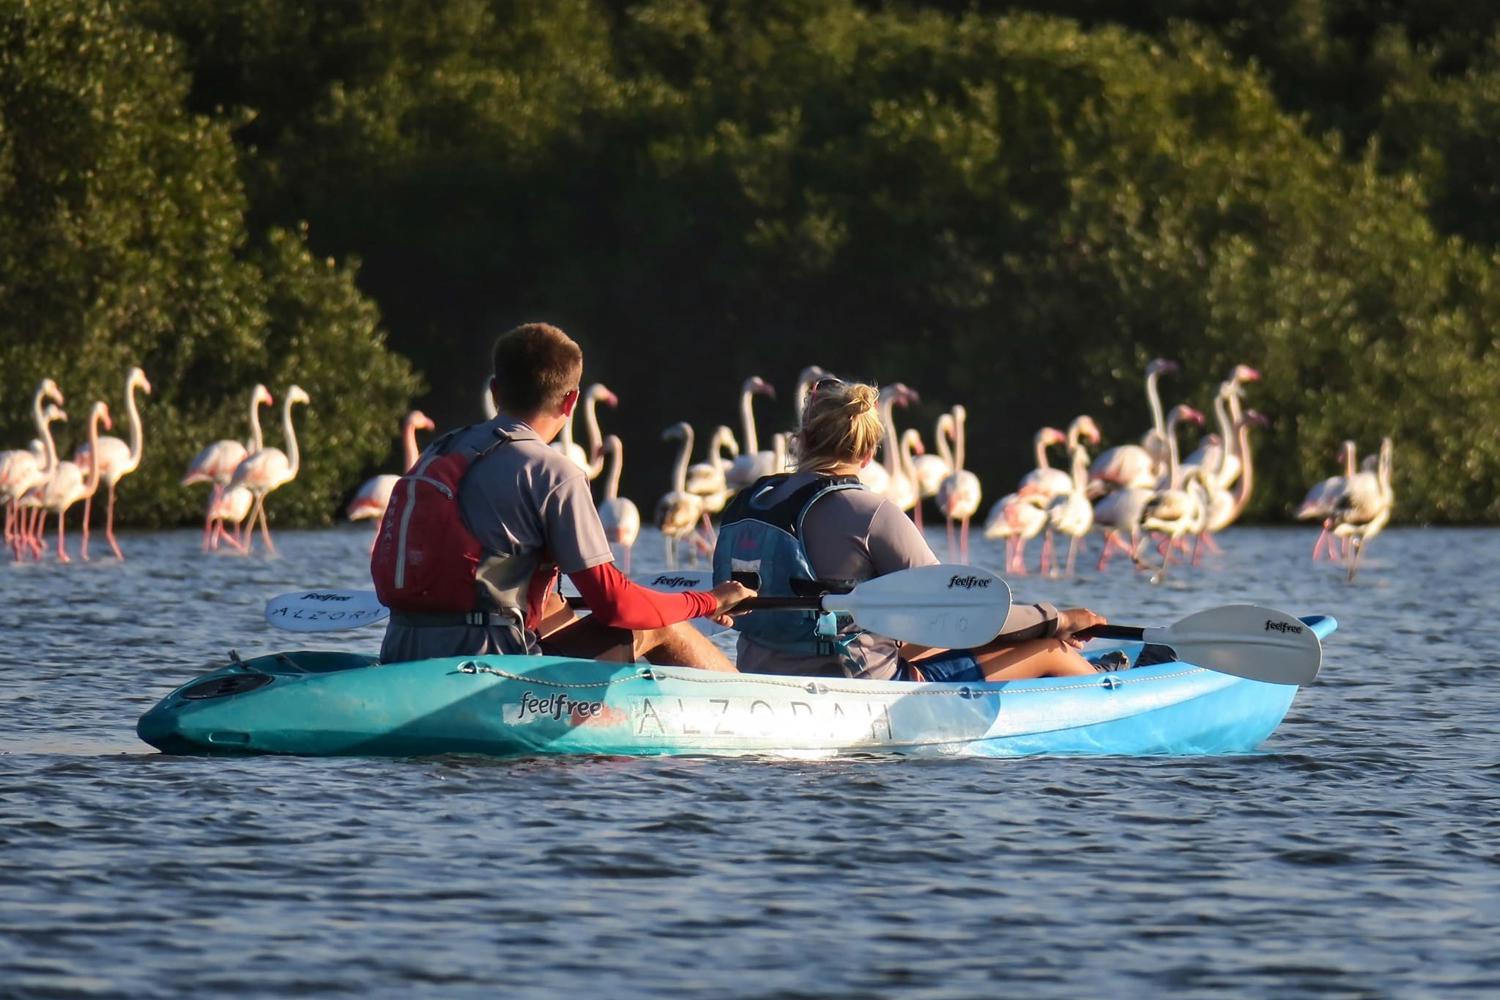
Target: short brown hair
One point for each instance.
(535, 365)
(840, 423)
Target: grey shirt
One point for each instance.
(856, 535)
(522, 499)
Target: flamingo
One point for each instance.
(71, 483)
(216, 464)
(1071, 513)
(116, 460)
(1178, 509)
(228, 507)
(752, 463)
(1017, 518)
(591, 461)
(1365, 507)
(24, 469)
(887, 477)
(29, 503)
(619, 515)
(269, 469)
(1321, 500)
(1226, 412)
(708, 480)
(1225, 507)
(1043, 479)
(677, 512)
(1129, 464)
(931, 469)
(372, 498)
(958, 495)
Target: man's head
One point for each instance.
(537, 370)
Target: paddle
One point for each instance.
(1261, 644)
(945, 606)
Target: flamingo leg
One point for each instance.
(249, 536)
(88, 506)
(964, 540)
(1073, 552)
(916, 514)
(950, 538)
(62, 534)
(109, 524)
(625, 558)
(1045, 566)
(265, 527)
(1356, 547)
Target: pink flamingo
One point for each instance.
(72, 483)
(1217, 452)
(1130, 464)
(1321, 500)
(752, 463)
(22, 470)
(929, 468)
(372, 498)
(1071, 513)
(708, 480)
(269, 469)
(29, 503)
(1017, 518)
(1364, 509)
(619, 515)
(592, 460)
(677, 511)
(116, 460)
(1224, 507)
(229, 507)
(216, 464)
(1178, 509)
(958, 496)
(889, 477)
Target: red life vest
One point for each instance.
(425, 558)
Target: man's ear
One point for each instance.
(569, 401)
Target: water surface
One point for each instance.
(1357, 854)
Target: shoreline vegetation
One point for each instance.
(1012, 206)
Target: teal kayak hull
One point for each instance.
(327, 704)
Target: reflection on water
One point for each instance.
(1356, 855)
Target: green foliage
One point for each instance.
(122, 241)
(1012, 205)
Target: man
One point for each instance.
(521, 513)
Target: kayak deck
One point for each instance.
(327, 703)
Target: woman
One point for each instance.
(818, 528)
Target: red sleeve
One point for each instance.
(614, 600)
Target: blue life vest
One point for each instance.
(760, 545)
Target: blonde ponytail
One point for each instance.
(840, 424)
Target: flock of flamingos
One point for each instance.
(1136, 496)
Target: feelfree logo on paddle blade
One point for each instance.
(968, 582)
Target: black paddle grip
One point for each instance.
(1112, 632)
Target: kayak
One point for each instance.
(333, 703)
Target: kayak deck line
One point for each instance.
(1106, 680)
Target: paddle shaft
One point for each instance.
(753, 604)
(1112, 632)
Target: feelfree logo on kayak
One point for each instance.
(556, 706)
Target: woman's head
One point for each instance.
(840, 425)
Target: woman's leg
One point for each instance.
(1032, 658)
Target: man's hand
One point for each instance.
(1071, 620)
(728, 594)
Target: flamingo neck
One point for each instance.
(1247, 468)
(908, 462)
(294, 456)
(747, 420)
(596, 442)
(91, 477)
(958, 445)
(44, 432)
(409, 443)
(615, 451)
(1039, 442)
(1350, 466)
(1153, 399)
(940, 439)
(778, 451)
(679, 470)
(257, 441)
(137, 437)
(1173, 473)
(888, 421)
(1080, 469)
(724, 441)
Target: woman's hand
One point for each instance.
(728, 594)
(1074, 620)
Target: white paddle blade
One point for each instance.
(1262, 644)
(948, 606)
(325, 610)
